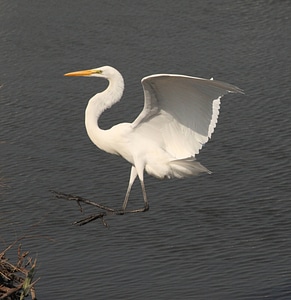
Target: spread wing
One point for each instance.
(180, 112)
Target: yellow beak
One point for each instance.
(81, 73)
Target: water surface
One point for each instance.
(224, 236)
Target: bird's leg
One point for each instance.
(146, 203)
(132, 177)
(140, 172)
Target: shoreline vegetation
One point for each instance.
(17, 279)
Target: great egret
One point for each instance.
(179, 116)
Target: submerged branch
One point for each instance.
(106, 211)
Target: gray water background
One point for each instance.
(222, 236)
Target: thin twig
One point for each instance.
(107, 211)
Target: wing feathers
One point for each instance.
(187, 167)
(180, 111)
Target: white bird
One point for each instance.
(179, 116)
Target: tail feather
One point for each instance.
(187, 167)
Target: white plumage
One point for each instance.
(179, 116)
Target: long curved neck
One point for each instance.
(97, 105)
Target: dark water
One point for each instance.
(224, 236)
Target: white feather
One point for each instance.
(179, 116)
(180, 111)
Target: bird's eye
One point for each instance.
(98, 71)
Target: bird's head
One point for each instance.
(103, 72)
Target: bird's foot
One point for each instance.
(123, 211)
(146, 207)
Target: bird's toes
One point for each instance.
(146, 207)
